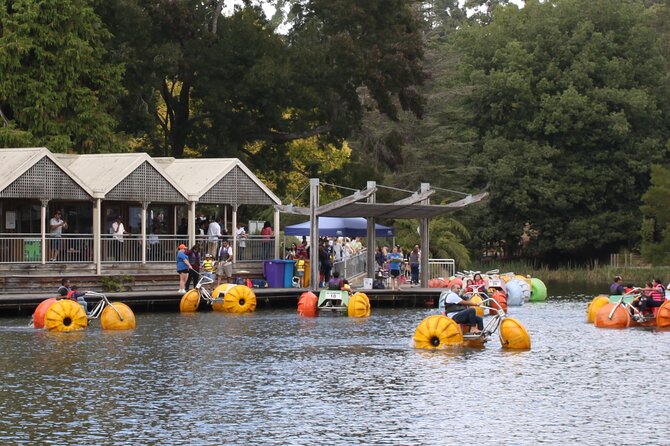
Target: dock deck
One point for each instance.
(266, 298)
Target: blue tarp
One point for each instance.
(340, 227)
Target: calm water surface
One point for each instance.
(274, 378)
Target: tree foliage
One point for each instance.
(656, 223)
(569, 104)
(56, 87)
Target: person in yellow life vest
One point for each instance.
(300, 270)
(209, 266)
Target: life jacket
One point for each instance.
(224, 253)
(300, 265)
(208, 266)
(72, 295)
(454, 308)
(658, 293)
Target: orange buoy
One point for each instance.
(189, 302)
(437, 331)
(596, 304)
(307, 304)
(513, 335)
(239, 299)
(455, 280)
(219, 293)
(478, 299)
(359, 305)
(65, 315)
(41, 311)
(117, 316)
(620, 318)
(663, 315)
(501, 299)
(441, 283)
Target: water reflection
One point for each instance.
(275, 378)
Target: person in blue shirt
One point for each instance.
(395, 262)
(183, 267)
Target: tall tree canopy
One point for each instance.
(215, 83)
(56, 89)
(569, 101)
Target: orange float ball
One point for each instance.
(307, 304)
(501, 298)
(619, 319)
(41, 311)
(456, 280)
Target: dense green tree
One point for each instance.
(56, 88)
(656, 223)
(568, 99)
(217, 83)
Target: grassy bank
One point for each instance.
(595, 275)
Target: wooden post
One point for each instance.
(191, 224)
(314, 234)
(276, 225)
(43, 228)
(97, 244)
(425, 250)
(234, 234)
(371, 235)
(145, 205)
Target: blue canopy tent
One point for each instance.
(340, 227)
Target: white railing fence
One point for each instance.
(444, 268)
(352, 266)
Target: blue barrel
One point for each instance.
(289, 272)
(273, 270)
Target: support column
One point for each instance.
(234, 231)
(371, 235)
(313, 234)
(43, 229)
(425, 251)
(145, 205)
(276, 225)
(191, 223)
(97, 245)
(225, 217)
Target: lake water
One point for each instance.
(274, 378)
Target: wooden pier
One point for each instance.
(266, 297)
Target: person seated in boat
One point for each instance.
(346, 287)
(630, 288)
(650, 297)
(67, 291)
(335, 283)
(461, 310)
(617, 286)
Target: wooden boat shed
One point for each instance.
(92, 191)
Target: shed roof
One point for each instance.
(125, 176)
(218, 180)
(35, 172)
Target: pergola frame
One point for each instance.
(415, 206)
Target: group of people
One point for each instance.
(191, 264)
(652, 295)
(398, 262)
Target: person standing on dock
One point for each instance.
(395, 262)
(224, 266)
(414, 262)
(183, 267)
(56, 226)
